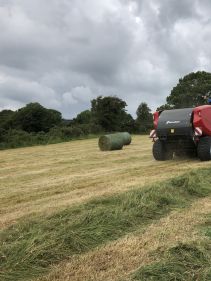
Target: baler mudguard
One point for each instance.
(202, 119)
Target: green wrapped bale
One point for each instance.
(126, 137)
(111, 142)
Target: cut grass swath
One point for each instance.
(184, 262)
(29, 248)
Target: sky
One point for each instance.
(64, 53)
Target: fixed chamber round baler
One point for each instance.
(182, 132)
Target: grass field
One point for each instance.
(100, 214)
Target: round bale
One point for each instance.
(111, 142)
(126, 137)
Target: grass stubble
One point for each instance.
(118, 260)
(66, 209)
(29, 248)
(121, 259)
(46, 179)
(187, 261)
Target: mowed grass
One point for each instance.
(30, 247)
(46, 179)
(184, 262)
(61, 204)
(117, 259)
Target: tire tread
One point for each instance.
(161, 152)
(203, 148)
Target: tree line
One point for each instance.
(35, 124)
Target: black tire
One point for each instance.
(204, 149)
(161, 151)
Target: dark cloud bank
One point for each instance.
(63, 53)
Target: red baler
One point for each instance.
(184, 131)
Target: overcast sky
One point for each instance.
(63, 53)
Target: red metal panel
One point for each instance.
(202, 119)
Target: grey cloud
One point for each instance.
(63, 53)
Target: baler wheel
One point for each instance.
(204, 149)
(161, 151)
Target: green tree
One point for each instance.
(5, 118)
(144, 120)
(108, 112)
(192, 90)
(164, 107)
(127, 123)
(85, 117)
(35, 118)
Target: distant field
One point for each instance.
(43, 181)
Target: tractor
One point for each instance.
(182, 132)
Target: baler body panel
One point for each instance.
(202, 119)
(175, 122)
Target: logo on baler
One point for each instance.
(172, 122)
